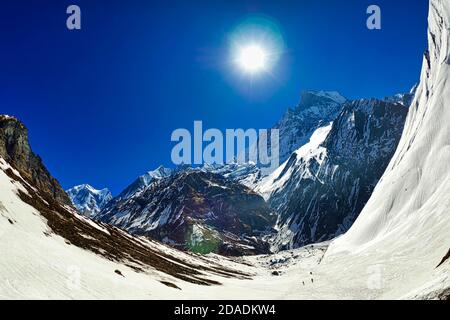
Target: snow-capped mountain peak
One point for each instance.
(144, 181)
(247, 173)
(88, 200)
(7, 117)
(320, 94)
(403, 98)
(316, 109)
(158, 173)
(90, 189)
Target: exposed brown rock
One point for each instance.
(16, 150)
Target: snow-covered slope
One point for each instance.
(405, 226)
(48, 250)
(309, 151)
(320, 190)
(88, 200)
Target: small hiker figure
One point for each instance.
(312, 280)
(303, 282)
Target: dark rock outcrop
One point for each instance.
(324, 191)
(197, 211)
(16, 150)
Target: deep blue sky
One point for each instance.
(101, 103)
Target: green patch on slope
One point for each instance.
(200, 239)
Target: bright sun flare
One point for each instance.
(252, 58)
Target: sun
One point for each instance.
(255, 48)
(252, 58)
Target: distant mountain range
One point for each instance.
(335, 151)
(196, 210)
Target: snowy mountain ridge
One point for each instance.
(144, 181)
(197, 210)
(374, 118)
(88, 200)
(316, 108)
(320, 190)
(247, 174)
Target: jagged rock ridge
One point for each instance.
(316, 108)
(321, 189)
(198, 211)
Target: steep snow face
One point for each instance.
(310, 152)
(406, 223)
(321, 189)
(316, 109)
(415, 184)
(88, 200)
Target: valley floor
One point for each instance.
(36, 263)
(45, 268)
